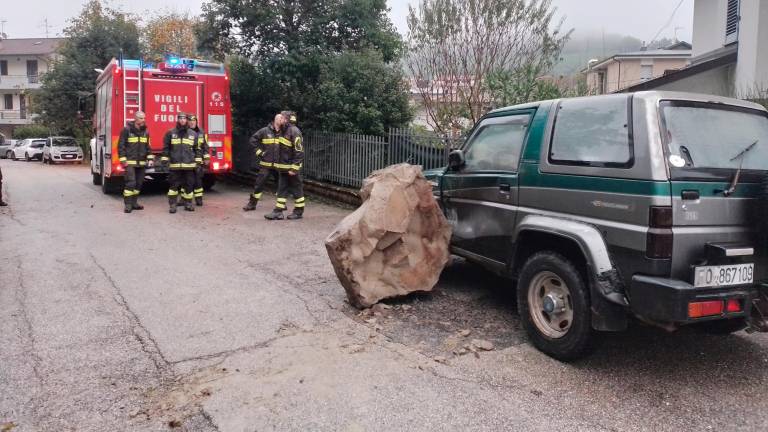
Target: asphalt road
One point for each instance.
(221, 320)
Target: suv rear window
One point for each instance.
(593, 132)
(706, 140)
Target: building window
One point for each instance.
(646, 72)
(732, 22)
(3, 67)
(8, 101)
(32, 71)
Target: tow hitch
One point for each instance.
(758, 320)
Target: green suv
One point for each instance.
(645, 205)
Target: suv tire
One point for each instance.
(548, 280)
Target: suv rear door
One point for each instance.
(480, 199)
(705, 143)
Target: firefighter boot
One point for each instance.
(2, 203)
(172, 204)
(297, 213)
(128, 204)
(136, 205)
(251, 204)
(188, 206)
(199, 201)
(275, 215)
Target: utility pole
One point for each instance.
(46, 26)
(2, 27)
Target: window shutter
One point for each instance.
(732, 22)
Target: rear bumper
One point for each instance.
(666, 300)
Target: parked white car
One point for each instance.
(6, 147)
(29, 149)
(62, 149)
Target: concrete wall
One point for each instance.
(623, 73)
(715, 82)
(17, 65)
(752, 65)
(709, 25)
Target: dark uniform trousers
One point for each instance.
(181, 180)
(262, 177)
(134, 178)
(290, 185)
(199, 174)
(1, 185)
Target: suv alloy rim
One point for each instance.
(549, 302)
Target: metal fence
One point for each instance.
(346, 159)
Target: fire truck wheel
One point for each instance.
(208, 182)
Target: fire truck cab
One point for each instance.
(177, 85)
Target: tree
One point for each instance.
(358, 93)
(170, 33)
(512, 87)
(289, 56)
(30, 131)
(94, 37)
(456, 45)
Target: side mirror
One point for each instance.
(456, 160)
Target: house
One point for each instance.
(22, 62)
(627, 69)
(730, 42)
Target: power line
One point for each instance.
(669, 21)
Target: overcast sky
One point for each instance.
(642, 19)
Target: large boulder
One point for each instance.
(396, 243)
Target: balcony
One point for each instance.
(19, 82)
(15, 117)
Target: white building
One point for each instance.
(22, 63)
(730, 51)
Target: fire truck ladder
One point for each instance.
(131, 92)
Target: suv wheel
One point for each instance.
(9, 155)
(553, 302)
(26, 157)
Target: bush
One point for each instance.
(31, 131)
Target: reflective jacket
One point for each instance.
(291, 156)
(133, 148)
(203, 151)
(180, 149)
(266, 143)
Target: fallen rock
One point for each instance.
(465, 333)
(396, 243)
(482, 344)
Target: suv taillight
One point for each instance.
(658, 242)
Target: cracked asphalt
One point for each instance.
(218, 320)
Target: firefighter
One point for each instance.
(181, 156)
(290, 160)
(2, 203)
(134, 152)
(203, 150)
(266, 143)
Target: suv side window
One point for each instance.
(496, 144)
(593, 132)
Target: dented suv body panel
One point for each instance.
(609, 175)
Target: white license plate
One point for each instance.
(725, 275)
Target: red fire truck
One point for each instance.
(161, 91)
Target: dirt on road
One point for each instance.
(221, 320)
